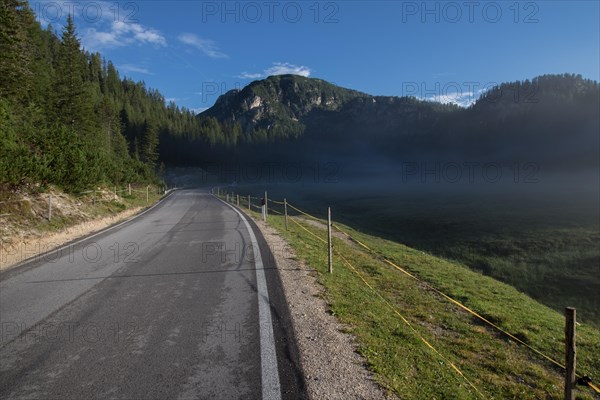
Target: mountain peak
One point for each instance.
(279, 101)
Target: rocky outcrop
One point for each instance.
(279, 99)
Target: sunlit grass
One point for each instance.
(497, 366)
(544, 246)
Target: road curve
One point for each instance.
(182, 302)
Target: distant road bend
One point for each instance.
(182, 302)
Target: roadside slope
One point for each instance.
(332, 368)
(26, 232)
(392, 316)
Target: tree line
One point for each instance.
(66, 116)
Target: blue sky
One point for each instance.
(193, 51)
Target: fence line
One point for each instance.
(303, 213)
(447, 297)
(413, 329)
(452, 300)
(317, 237)
(385, 301)
(584, 379)
(86, 192)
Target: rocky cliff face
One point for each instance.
(288, 106)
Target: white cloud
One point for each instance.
(144, 35)
(463, 99)
(278, 69)
(134, 68)
(246, 75)
(122, 34)
(207, 46)
(99, 23)
(92, 39)
(287, 68)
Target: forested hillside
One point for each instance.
(66, 116)
(69, 119)
(551, 120)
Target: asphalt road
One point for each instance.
(183, 301)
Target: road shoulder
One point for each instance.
(331, 366)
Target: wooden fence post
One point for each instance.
(94, 199)
(130, 189)
(285, 212)
(266, 207)
(329, 240)
(50, 207)
(249, 204)
(238, 200)
(147, 194)
(570, 353)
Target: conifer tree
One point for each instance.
(72, 103)
(149, 150)
(15, 75)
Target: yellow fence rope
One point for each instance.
(297, 223)
(395, 310)
(434, 289)
(304, 213)
(456, 302)
(462, 306)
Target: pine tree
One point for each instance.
(72, 102)
(15, 75)
(149, 146)
(67, 118)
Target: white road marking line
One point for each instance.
(271, 388)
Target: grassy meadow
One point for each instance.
(390, 314)
(545, 245)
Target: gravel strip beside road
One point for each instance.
(332, 367)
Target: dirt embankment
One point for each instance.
(26, 232)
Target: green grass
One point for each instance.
(544, 244)
(555, 260)
(499, 367)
